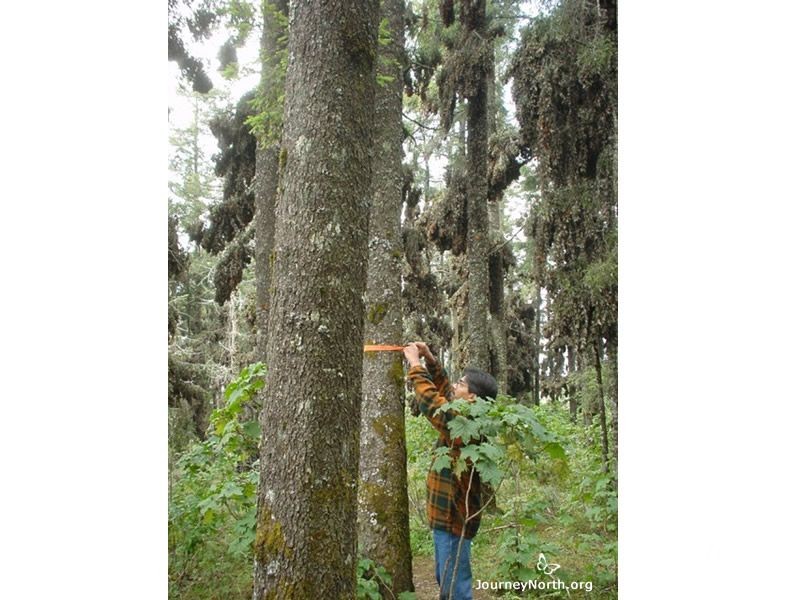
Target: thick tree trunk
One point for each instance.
(266, 176)
(477, 210)
(305, 544)
(383, 490)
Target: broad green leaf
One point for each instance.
(230, 490)
(364, 564)
(442, 462)
(489, 473)
(490, 452)
(252, 429)
(555, 450)
(470, 452)
(464, 428)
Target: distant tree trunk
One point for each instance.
(196, 137)
(589, 406)
(477, 210)
(573, 401)
(383, 489)
(266, 177)
(233, 329)
(537, 334)
(306, 530)
(612, 362)
(461, 149)
(603, 428)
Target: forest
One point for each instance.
(400, 171)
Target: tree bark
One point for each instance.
(477, 209)
(612, 360)
(233, 323)
(497, 308)
(266, 177)
(572, 368)
(383, 490)
(305, 544)
(499, 354)
(603, 428)
(537, 337)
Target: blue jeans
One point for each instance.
(445, 546)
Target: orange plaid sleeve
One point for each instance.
(430, 391)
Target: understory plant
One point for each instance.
(212, 500)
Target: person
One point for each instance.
(450, 512)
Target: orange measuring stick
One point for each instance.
(382, 348)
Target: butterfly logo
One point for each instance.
(548, 569)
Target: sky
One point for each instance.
(180, 113)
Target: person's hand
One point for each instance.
(411, 352)
(425, 352)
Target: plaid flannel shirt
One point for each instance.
(447, 506)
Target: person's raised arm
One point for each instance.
(438, 374)
(427, 395)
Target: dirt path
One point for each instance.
(425, 581)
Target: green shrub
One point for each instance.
(212, 501)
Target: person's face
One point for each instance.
(461, 390)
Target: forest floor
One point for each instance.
(425, 585)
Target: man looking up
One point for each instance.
(450, 512)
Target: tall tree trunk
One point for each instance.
(497, 314)
(306, 528)
(383, 489)
(499, 353)
(477, 210)
(266, 176)
(497, 305)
